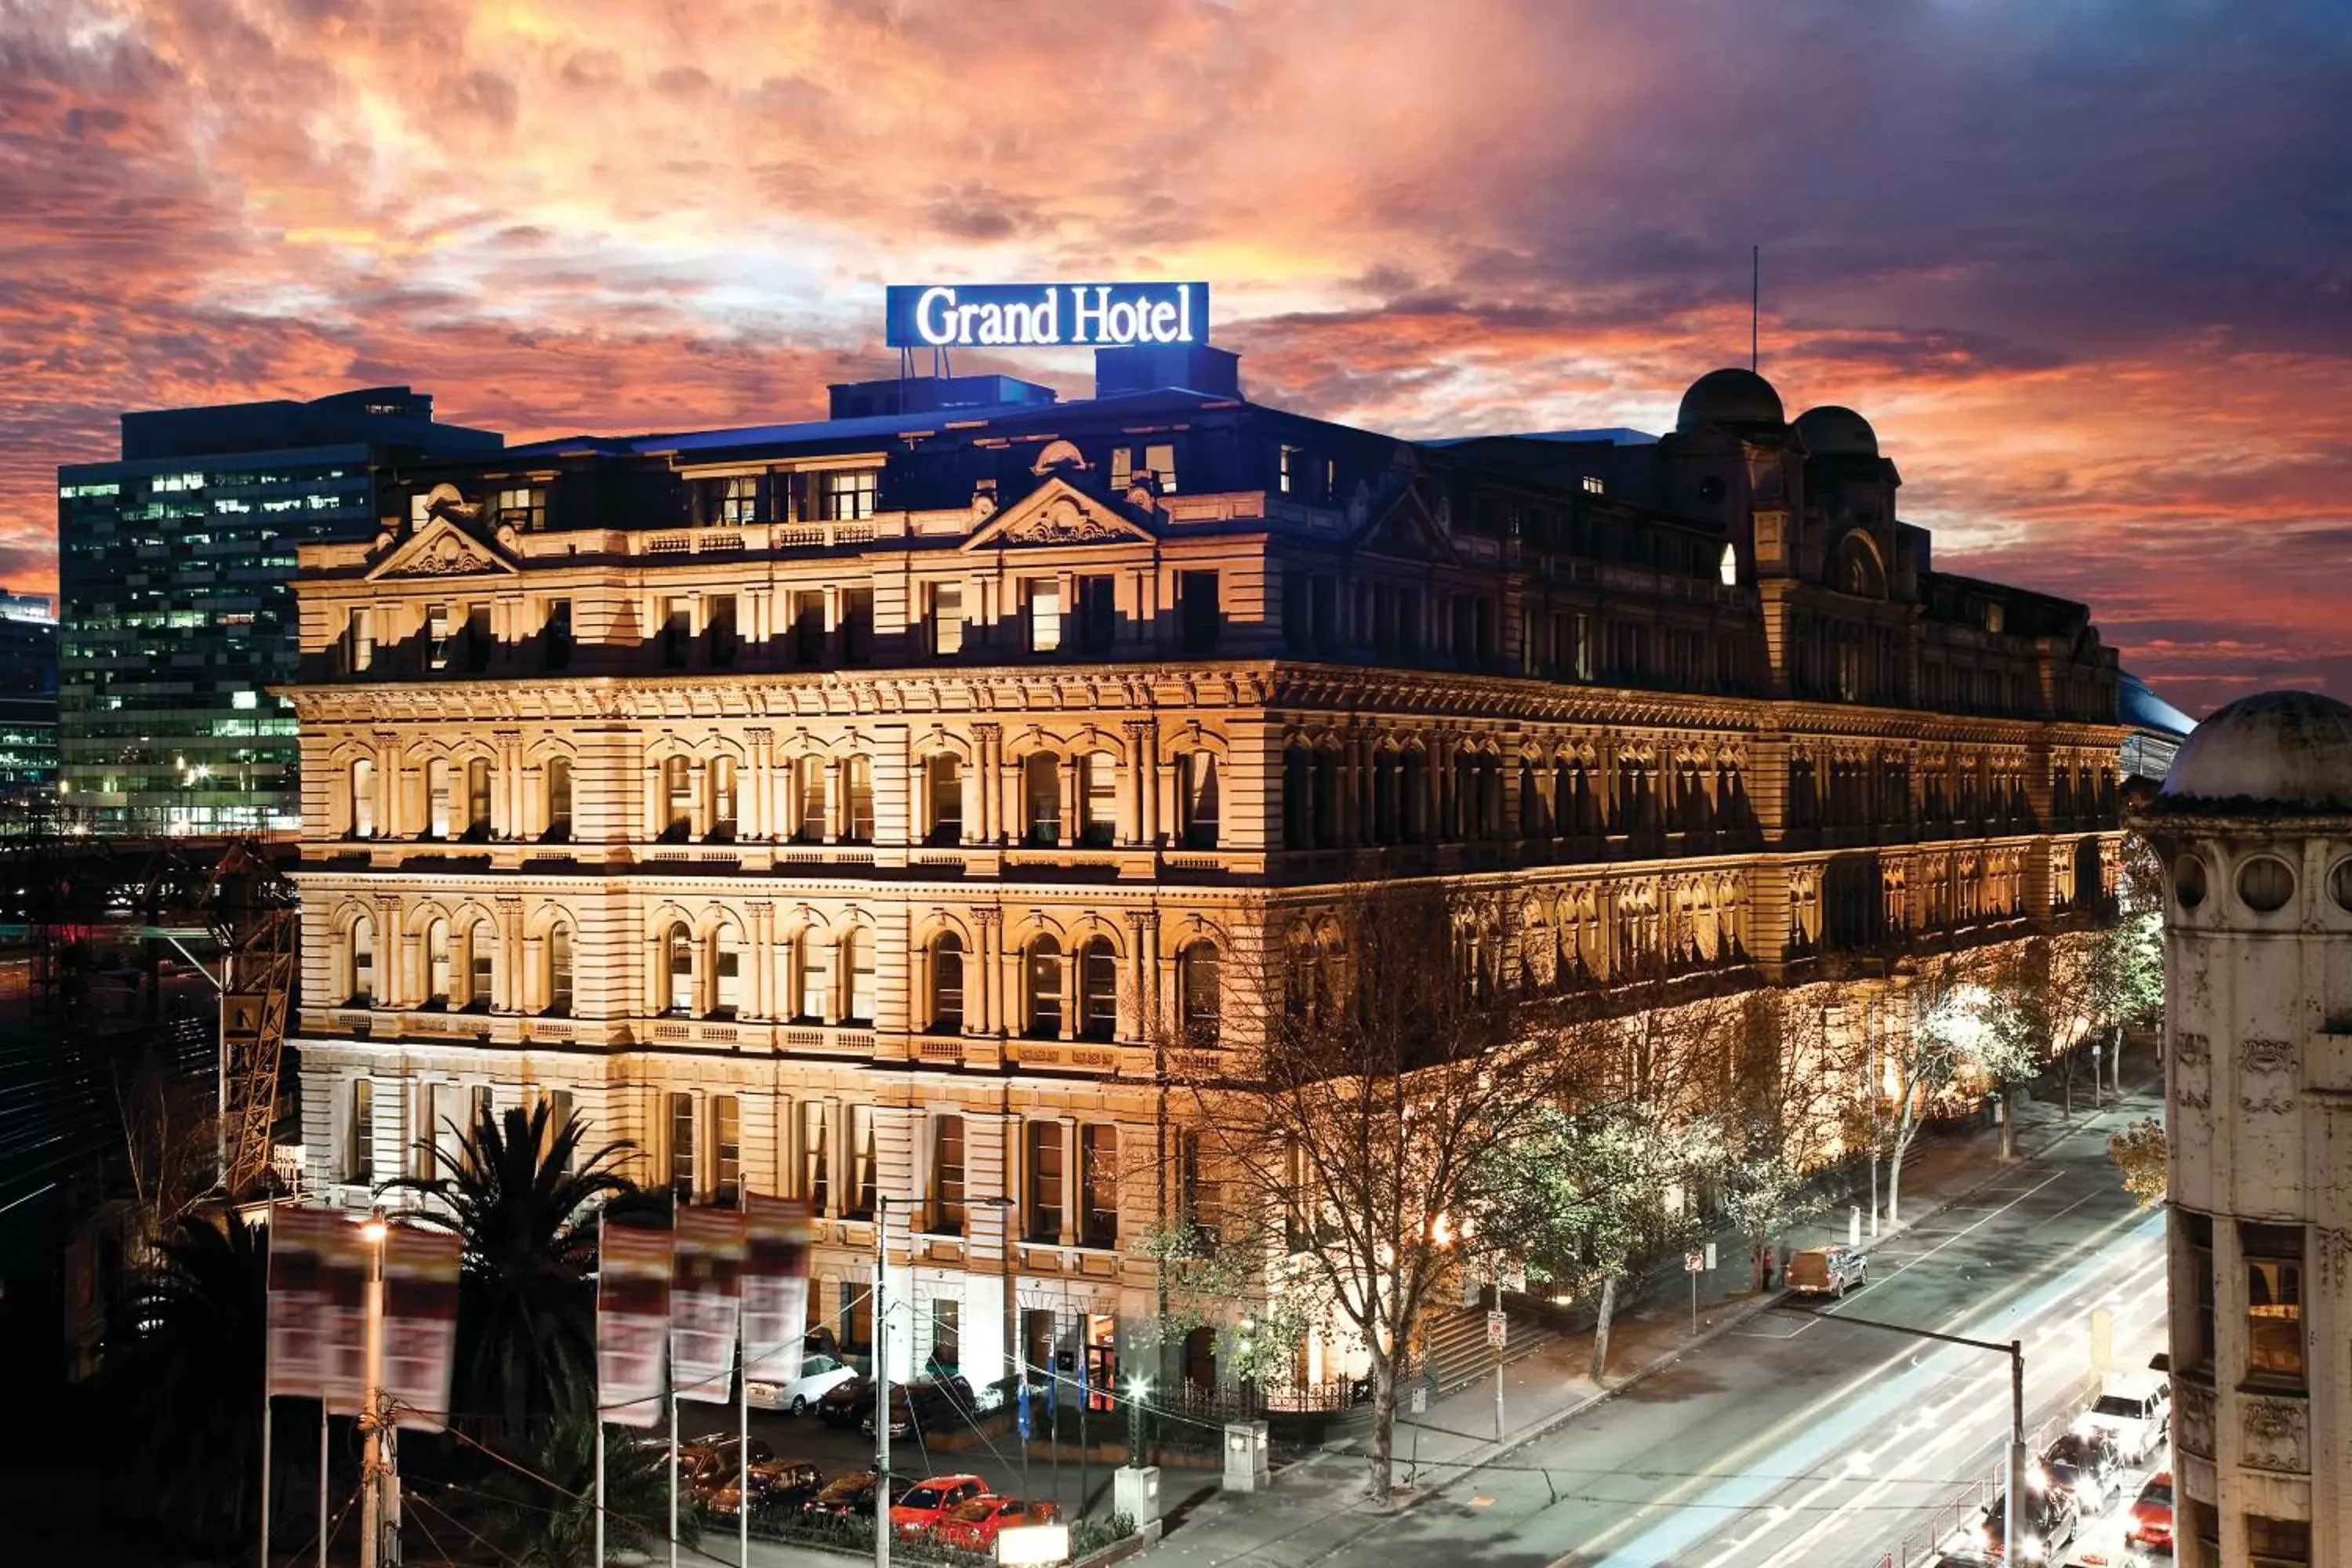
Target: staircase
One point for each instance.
(1455, 1345)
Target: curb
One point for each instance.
(1558, 1419)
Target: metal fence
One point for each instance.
(1959, 1511)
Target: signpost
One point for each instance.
(1693, 1261)
(1498, 1334)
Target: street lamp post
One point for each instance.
(881, 1387)
(2013, 1483)
(1138, 1388)
(380, 1486)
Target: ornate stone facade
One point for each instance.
(2255, 825)
(858, 815)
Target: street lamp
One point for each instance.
(1138, 1388)
(380, 1485)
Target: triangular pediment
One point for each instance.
(1408, 529)
(442, 549)
(1057, 512)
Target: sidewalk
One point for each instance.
(1317, 1503)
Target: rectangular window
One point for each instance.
(362, 641)
(2273, 1303)
(1583, 647)
(1099, 1187)
(857, 625)
(477, 796)
(681, 1147)
(726, 1149)
(816, 1157)
(1122, 468)
(2198, 1231)
(479, 644)
(1097, 615)
(850, 495)
(858, 799)
(359, 1136)
(1594, 485)
(560, 1115)
(2275, 1542)
(947, 619)
(1044, 596)
(1200, 1198)
(436, 636)
(677, 632)
(946, 1344)
(1044, 1173)
(1099, 821)
(1199, 802)
(1199, 613)
(523, 507)
(555, 635)
(863, 1177)
(945, 778)
(947, 1175)
(737, 501)
(816, 979)
(808, 626)
(1290, 469)
(559, 971)
(719, 631)
(1161, 459)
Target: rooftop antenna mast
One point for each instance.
(1755, 299)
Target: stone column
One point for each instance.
(1142, 772)
(982, 1014)
(1143, 973)
(988, 781)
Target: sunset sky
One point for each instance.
(2087, 266)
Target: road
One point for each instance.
(1799, 1441)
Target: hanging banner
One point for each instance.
(420, 1324)
(297, 1307)
(632, 1276)
(777, 1234)
(705, 1303)
(345, 1257)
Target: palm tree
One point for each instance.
(518, 1193)
(194, 1372)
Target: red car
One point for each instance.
(972, 1526)
(925, 1504)
(2151, 1516)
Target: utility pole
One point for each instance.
(881, 1387)
(380, 1483)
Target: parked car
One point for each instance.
(2087, 1463)
(849, 1495)
(929, 1405)
(972, 1526)
(926, 1503)
(1827, 1270)
(819, 1374)
(776, 1487)
(2050, 1519)
(847, 1403)
(2150, 1523)
(708, 1463)
(2137, 1412)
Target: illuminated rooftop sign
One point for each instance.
(1046, 315)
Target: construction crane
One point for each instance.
(252, 907)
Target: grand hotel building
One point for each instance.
(848, 808)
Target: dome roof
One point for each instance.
(1831, 431)
(2287, 749)
(1729, 397)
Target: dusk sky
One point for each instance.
(2087, 266)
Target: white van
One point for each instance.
(2136, 1411)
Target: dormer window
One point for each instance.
(523, 507)
(850, 495)
(1996, 618)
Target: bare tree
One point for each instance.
(1921, 1056)
(171, 1145)
(1396, 1039)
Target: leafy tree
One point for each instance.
(519, 1192)
(1396, 1043)
(1920, 1064)
(2142, 1153)
(194, 1370)
(1586, 1197)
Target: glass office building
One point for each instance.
(175, 565)
(28, 714)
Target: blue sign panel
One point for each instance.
(1046, 315)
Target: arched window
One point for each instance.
(481, 971)
(1041, 797)
(943, 799)
(361, 987)
(437, 798)
(363, 806)
(1101, 802)
(437, 963)
(559, 800)
(723, 800)
(726, 972)
(1200, 988)
(559, 970)
(813, 977)
(1535, 811)
(1042, 974)
(857, 800)
(477, 797)
(946, 984)
(677, 797)
(811, 817)
(677, 970)
(857, 975)
(1098, 990)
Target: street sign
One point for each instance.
(1499, 1329)
(1710, 1256)
(1693, 1261)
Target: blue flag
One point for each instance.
(1021, 1409)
